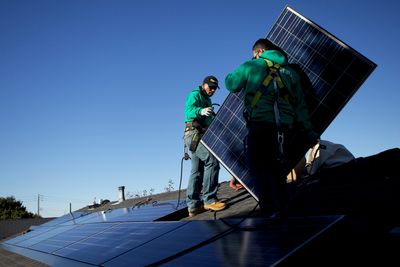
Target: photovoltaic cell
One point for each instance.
(331, 72)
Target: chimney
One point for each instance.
(121, 194)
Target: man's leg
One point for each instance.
(265, 169)
(211, 174)
(193, 200)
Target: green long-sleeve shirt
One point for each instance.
(195, 102)
(250, 75)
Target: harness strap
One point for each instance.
(273, 75)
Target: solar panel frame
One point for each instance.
(329, 83)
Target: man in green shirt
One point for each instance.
(205, 167)
(274, 107)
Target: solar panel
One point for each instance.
(114, 241)
(80, 232)
(174, 242)
(67, 218)
(331, 72)
(116, 244)
(215, 243)
(258, 243)
(38, 231)
(96, 237)
(137, 213)
(89, 243)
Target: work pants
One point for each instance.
(203, 176)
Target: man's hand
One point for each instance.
(206, 111)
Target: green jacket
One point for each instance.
(195, 102)
(250, 76)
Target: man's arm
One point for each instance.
(192, 107)
(236, 80)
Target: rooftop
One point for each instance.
(239, 235)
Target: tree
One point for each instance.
(10, 208)
(170, 186)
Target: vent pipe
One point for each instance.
(121, 194)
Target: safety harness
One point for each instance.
(273, 76)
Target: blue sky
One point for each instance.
(92, 92)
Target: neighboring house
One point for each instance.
(9, 228)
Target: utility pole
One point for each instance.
(38, 204)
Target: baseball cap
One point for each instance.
(211, 81)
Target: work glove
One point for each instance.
(206, 111)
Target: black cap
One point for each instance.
(211, 81)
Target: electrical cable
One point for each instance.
(185, 157)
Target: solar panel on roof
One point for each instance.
(330, 70)
(116, 240)
(67, 218)
(95, 237)
(171, 243)
(137, 213)
(257, 241)
(80, 232)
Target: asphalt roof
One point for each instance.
(10, 259)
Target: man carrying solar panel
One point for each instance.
(205, 167)
(274, 108)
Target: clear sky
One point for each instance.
(92, 92)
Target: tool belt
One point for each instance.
(195, 125)
(198, 132)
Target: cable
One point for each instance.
(185, 157)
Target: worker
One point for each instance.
(274, 110)
(205, 167)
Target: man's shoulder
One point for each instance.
(195, 91)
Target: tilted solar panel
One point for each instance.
(331, 73)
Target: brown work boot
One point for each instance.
(215, 206)
(195, 211)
